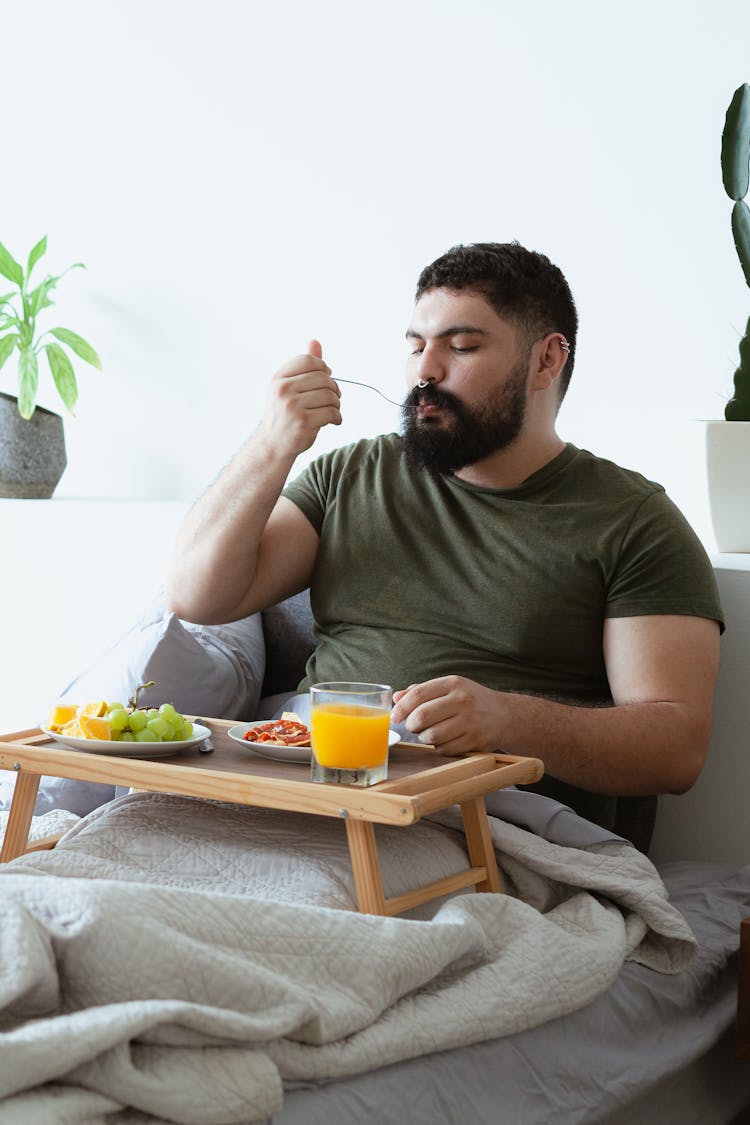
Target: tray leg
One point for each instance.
(366, 866)
(479, 843)
(19, 817)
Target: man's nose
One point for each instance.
(430, 368)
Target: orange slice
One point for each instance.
(60, 715)
(73, 729)
(94, 727)
(95, 710)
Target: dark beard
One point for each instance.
(472, 435)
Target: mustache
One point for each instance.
(431, 396)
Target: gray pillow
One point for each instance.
(212, 671)
(290, 641)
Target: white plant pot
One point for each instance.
(728, 469)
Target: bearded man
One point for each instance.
(520, 593)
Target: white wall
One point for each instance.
(240, 176)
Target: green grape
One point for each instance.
(152, 713)
(118, 720)
(127, 736)
(138, 720)
(143, 735)
(158, 727)
(178, 729)
(188, 730)
(116, 735)
(168, 712)
(116, 707)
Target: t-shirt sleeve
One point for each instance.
(662, 567)
(309, 491)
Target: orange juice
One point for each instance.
(349, 736)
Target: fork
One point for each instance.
(208, 745)
(369, 387)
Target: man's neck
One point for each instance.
(510, 467)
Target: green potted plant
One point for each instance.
(728, 441)
(32, 439)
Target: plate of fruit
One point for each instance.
(126, 731)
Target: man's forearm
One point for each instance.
(626, 749)
(217, 547)
(646, 746)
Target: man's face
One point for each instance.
(475, 401)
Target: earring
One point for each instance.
(565, 346)
(423, 383)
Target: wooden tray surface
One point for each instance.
(418, 781)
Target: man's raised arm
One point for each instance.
(242, 546)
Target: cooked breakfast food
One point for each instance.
(289, 730)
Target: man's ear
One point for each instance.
(549, 356)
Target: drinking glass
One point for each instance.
(349, 727)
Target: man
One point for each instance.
(520, 594)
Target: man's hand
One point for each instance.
(452, 713)
(302, 399)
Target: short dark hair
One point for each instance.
(521, 285)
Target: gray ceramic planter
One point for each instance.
(32, 453)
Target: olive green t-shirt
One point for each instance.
(418, 577)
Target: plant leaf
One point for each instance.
(6, 298)
(28, 381)
(36, 253)
(78, 345)
(9, 267)
(38, 299)
(63, 374)
(735, 145)
(7, 344)
(741, 232)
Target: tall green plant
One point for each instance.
(18, 332)
(735, 171)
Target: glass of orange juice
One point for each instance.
(349, 728)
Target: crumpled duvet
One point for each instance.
(141, 970)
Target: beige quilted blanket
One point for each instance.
(174, 957)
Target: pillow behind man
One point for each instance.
(206, 670)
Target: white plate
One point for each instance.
(282, 753)
(132, 749)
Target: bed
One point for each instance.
(127, 951)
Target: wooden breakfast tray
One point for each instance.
(419, 782)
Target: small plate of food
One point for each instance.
(99, 727)
(284, 740)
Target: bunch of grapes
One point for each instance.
(163, 724)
